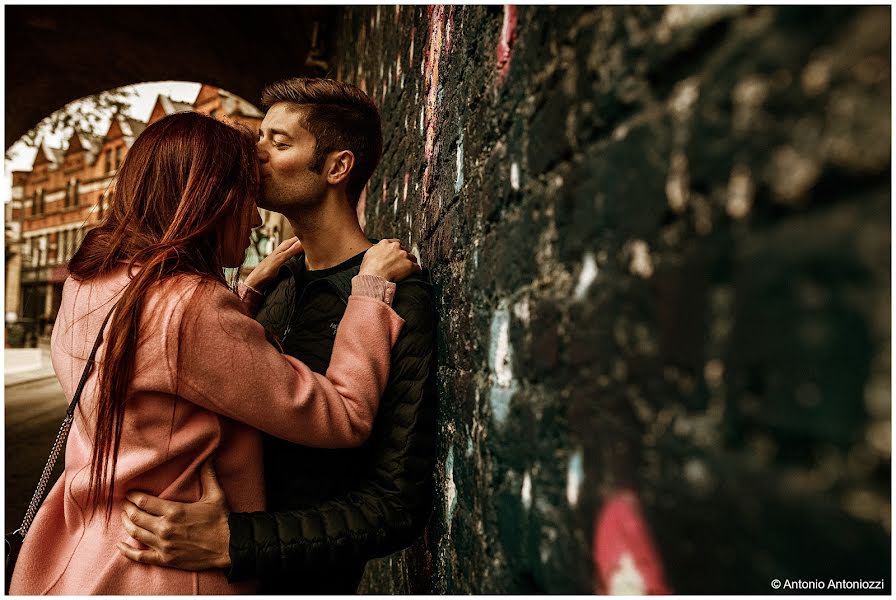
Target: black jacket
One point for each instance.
(330, 511)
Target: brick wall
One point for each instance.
(660, 238)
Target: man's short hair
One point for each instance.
(340, 117)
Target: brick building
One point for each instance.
(63, 196)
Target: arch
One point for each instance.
(56, 54)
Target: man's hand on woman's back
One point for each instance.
(190, 536)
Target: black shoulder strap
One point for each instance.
(61, 437)
(88, 368)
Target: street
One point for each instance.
(34, 412)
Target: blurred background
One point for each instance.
(660, 239)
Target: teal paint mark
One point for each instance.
(575, 476)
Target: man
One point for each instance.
(329, 511)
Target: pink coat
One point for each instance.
(206, 381)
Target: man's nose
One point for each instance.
(262, 153)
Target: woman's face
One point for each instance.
(237, 232)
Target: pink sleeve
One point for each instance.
(225, 363)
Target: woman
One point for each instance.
(184, 372)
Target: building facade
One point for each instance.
(64, 195)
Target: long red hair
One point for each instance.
(184, 177)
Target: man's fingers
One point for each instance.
(148, 557)
(138, 533)
(140, 518)
(153, 505)
(286, 244)
(295, 248)
(211, 489)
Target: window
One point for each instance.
(37, 203)
(109, 166)
(59, 246)
(42, 250)
(69, 244)
(75, 197)
(117, 157)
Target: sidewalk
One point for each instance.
(24, 365)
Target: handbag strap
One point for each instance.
(62, 436)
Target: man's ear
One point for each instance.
(339, 166)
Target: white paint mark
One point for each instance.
(526, 493)
(588, 275)
(575, 476)
(501, 363)
(626, 580)
(678, 183)
(450, 488)
(515, 176)
(640, 264)
(502, 353)
(422, 113)
(521, 310)
(684, 96)
(395, 206)
(740, 192)
(459, 180)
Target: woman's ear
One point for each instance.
(339, 166)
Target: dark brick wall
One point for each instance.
(660, 239)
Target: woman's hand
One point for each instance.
(265, 271)
(389, 260)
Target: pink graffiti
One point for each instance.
(622, 542)
(505, 44)
(448, 28)
(384, 190)
(431, 78)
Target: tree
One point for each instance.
(88, 114)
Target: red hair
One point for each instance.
(182, 179)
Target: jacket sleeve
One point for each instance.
(221, 358)
(391, 502)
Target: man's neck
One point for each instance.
(330, 233)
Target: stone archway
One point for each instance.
(56, 54)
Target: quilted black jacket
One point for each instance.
(330, 511)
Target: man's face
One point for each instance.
(285, 150)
